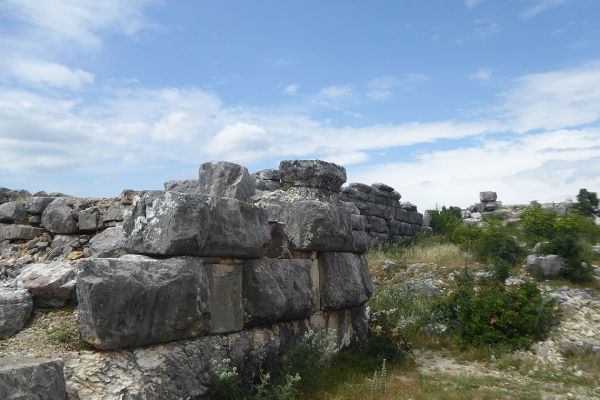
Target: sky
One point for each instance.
(440, 99)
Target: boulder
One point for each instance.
(19, 232)
(487, 197)
(173, 223)
(312, 173)
(32, 379)
(382, 187)
(184, 186)
(51, 285)
(89, 220)
(268, 174)
(225, 179)
(344, 280)
(37, 205)
(7, 195)
(108, 243)
(15, 309)
(278, 290)
(547, 267)
(316, 225)
(262, 184)
(113, 213)
(59, 216)
(135, 301)
(13, 213)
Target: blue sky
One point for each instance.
(440, 99)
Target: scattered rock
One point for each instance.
(59, 216)
(19, 232)
(548, 267)
(37, 205)
(13, 213)
(51, 285)
(225, 179)
(15, 309)
(32, 379)
(390, 266)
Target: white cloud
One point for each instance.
(482, 74)
(550, 166)
(485, 28)
(292, 89)
(39, 72)
(556, 99)
(76, 22)
(336, 92)
(539, 7)
(472, 3)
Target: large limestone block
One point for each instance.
(59, 216)
(183, 185)
(108, 243)
(15, 309)
(225, 287)
(345, 280)
(548, 267)
(316, 225)
(225, 179)
(51, 285)
(13, 213)
(312, 173)
(135, 301)
(33, 378)
(278, 290)
(19, 232)
(173, 223)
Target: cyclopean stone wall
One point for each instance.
(167, 281)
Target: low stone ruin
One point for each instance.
(229, 265)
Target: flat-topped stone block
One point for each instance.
(32, 379)
(312, 173)
(344, 279)
(15, 309)
(135, 301)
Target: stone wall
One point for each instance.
(167, 281)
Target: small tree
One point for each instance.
(587, 203)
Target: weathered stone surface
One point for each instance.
(13, 213)
(277, 290)
(127, 196)
(268, 174)
(59, 216)
(89, 220)
(182, 185)
(113, 213)
(173, 223)
(278, 246)
(383, 187)
(377, 224)
(32, 379)
(108, 243)
(225, 179)
(19, 232)
(262, 184)
(548, 267)
(7, 195)
(225, 300)
(312, 173)
(37, 205)
(358, 222)
(51, 285)
(487, 197)
(15, 309)
(360, 241)
(345, 280)
(136, 301)
(316, 225)
(415, 218)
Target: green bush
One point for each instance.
(493, 314)
(568, 247)
(537, 224)
(488, 243)
(444, 221)
(573, 223)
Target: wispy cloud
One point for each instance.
(482, 74)
(472, 3)
(484, 28)
(539, 7)
(44, 73)
(292, 89)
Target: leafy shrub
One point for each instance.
(490, 242)
(493, 314)
(576, 224)
(310, 355)
(228, 384)
(287, 390)
(444, 221)
(538, 224)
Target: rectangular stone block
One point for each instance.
(32, 378)
(394, 227)
(225, 299)
(377, 224)
(89, 220)
(401, 214)
(19, 232)
(358, 222)
(415, 217)
(278, 290)
(135, 300)
(175, 223)
(344, 280)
